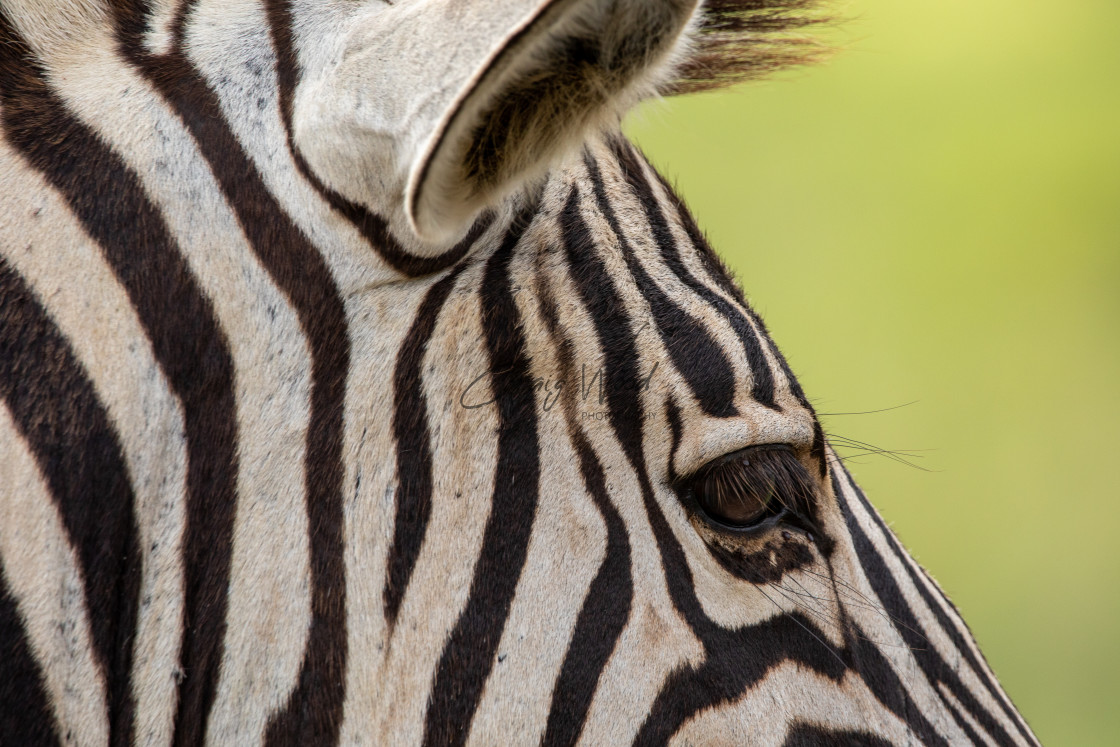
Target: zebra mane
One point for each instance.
(739, 40)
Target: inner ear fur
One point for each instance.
(572, 66)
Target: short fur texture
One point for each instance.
(277, 467)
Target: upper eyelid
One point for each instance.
(705, 440)
(683, 480)
(746, 450)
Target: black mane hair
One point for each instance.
(741, 40)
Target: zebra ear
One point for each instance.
(466, 101)
(567, 67)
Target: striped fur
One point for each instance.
(353, 397)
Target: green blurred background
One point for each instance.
(933, 217)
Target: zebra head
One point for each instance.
(421, 410)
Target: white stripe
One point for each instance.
(656, 640)
(43, 573)
(704, 436)
(963, 712)
(161, 14)
(966, 635)
(690, 256)
(630, 215)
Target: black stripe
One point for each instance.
(414, 450)
(738, 659)
(794, 384)
(190, 347)
(753, 336)
(698, 357)
(807, 735)
(713, 265)
(599, 295)
(372, 226)
(468, 655)
(314, 709)
(613, 327)
(676, 432)
(741, 650)
(886, 588)
(734, 659)
(26, 717)
(56, 409)
(606, 608)
(966, 727)
(762, 381)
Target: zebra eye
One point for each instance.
(743, 489)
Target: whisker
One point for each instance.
(860, 635)
(867, 412)
(902, 456)
(800, 605)
(836, 437)
(831, 619)
(876, 608)
(804, 627)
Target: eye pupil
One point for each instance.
(745, 488)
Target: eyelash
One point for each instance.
(744, 489)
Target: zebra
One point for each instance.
(362, 384)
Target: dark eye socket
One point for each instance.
(743, 489)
